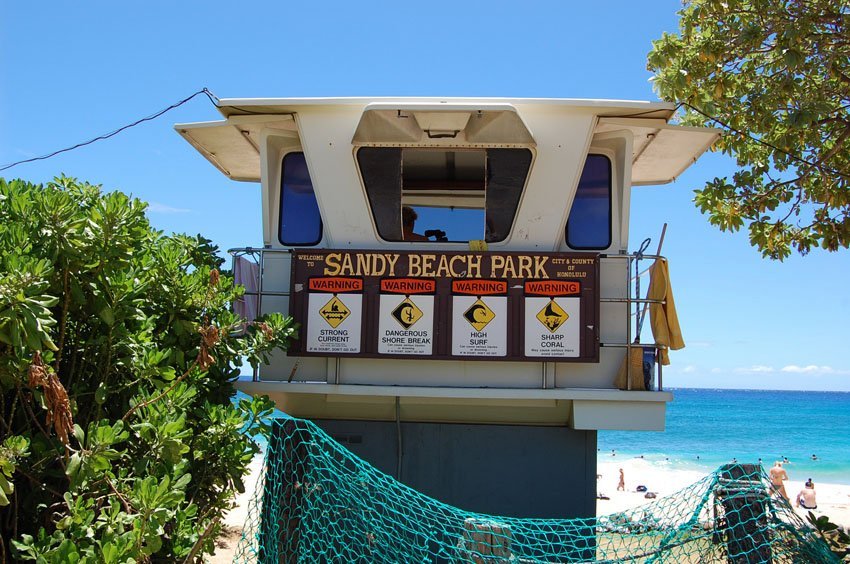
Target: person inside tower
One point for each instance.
(408, 220)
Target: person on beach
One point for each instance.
(621, 485)
(807, 498)
(778, 475)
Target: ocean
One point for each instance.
(707, 428)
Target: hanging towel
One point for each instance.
(247, 273)
(630, 376)
(662, 317)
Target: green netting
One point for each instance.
(317, 502)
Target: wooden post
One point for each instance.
(283, 493)
(745, 507)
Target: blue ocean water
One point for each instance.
(707, 428)
(720, 425)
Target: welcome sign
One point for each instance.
(446, 305)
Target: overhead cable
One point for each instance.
(212, 98)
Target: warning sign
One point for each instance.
(479, 315)
(334, 307)
(406, 322)
(333, 325)
(334, 312)
(446, 305)
(479, 318)
(552, 327)
(407, 313)
(552, 316)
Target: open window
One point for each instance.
(443, 194)
(300, 222)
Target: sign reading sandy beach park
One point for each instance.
(469, 305)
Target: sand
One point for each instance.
(833, 499)
(236, 518)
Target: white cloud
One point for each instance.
(689, 369)
(156, 207)
(700, 344)
(813, 369)
(755, 369)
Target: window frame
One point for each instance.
(281, 202)
(532, 159)
(610, 206)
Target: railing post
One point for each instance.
(256, 377)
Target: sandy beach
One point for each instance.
(236, 518)
(833, 499)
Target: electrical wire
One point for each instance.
(212, 98)
(215, 102)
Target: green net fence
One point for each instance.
(317, 502)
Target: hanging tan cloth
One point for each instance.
(634, 370)
(665, 329)
(662, 317)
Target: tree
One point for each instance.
(776, 75)
(119, 438)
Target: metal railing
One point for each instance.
(641, 310)
(258, 255)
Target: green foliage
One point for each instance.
(11, 450)
(778, 75)
(838, 540)
(140, 349)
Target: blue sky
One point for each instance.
(70, 72)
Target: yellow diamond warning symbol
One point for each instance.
(334, 312)
(552, 316)
(479, 315)
(406, 313)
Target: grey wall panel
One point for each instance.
(520, 471)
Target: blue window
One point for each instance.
(589, 225)
(300, 222)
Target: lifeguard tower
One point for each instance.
(472, 354)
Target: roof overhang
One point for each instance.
(661, 151)
(233, 146)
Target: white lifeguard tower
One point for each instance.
(473, 354)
